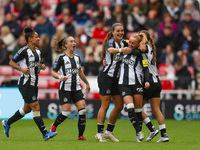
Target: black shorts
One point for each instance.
(70, 96)
(153, 91)
(130, 89)
(108, 85)
(29, 93)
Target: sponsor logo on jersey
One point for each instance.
(55, 65)
(16, 55)
(110, 45)
(117, 57)
(33, 64)
(140, 90)
(72, 71)
(31, 55)
(67, 62)
(128, 61)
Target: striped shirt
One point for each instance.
(152, 68)
(25, 57)
(69, 67)
(113, 61)
(131, 71)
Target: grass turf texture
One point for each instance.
(24, 134)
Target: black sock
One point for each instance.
(38, 120)
(100, 128)
(150, 126)
(163, 132)
(15, 117)
(81, 124)
(140, 119)
(110, 127)
(133, 118)
(59, 119)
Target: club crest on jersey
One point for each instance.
(108, 91)
(33, 98)
(65, 99)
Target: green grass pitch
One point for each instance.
(24, 135)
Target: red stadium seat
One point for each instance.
(104, 2)
(53, 96)
(42, 96)
(16, 72)
(43, 84)
(162, 70)
(53, 84)
(48, 13)
(167, 85)
(6, 70)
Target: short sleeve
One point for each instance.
(108, 45)
(21, 54)
(58, 63)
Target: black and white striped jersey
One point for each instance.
(69, 67)
(113, 61)
(25, 57)
(133, 70)
(152, 68)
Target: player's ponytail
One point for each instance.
(60, 44)
(28, 33)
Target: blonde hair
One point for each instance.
(141, 39)
(150, 41)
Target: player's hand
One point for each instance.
(143, 48)
(127, 50)
(64, 78)
(87, 90)
(147, 85)
(25, 70)
(43, 66)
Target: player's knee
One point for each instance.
(119, 107)
(36, 114)
(82, 112)
(21, 111)
(66, 113)
(138, 110)
(130, 106)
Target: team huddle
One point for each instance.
(129, 72)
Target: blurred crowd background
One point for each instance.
(174, 25)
